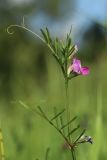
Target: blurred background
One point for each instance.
(29, 73)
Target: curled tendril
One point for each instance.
(23, 27)
(11, 26)
(27, 29)
(15, 25)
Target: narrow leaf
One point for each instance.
(71, 132)
(73, 119)
(58, 114)
(56, 57)
(80, 135)
(61, 120)
(53, 47)
(43, 114)
(56, 45)
(44, 35)
(29, 108)
(69, 43)
(69, 34)
(72, 51)
(55, 112)
(48, 35)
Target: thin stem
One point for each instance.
(66, 92)
(66, 87)
(35, 34)
(23, 27)
(66, 96)
(67, 103)
(73, 154)
(67, 106)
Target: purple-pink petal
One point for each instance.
(76, 66)
(84, 71)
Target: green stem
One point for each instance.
(66, 86)
(73, 155)
(66, 94)
(67, 104)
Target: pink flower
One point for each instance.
(76, 67)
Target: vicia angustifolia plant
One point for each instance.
(65, 54)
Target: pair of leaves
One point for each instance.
(58, 116)
(46, 35)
